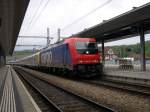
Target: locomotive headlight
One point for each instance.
(80, 61)
(87, 52)
(95, 61)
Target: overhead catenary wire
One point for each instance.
(37, 17)
(89, 13)
(36, 9)
(34, 15)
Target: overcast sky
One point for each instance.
(61, 13)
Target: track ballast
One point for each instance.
(63, 100)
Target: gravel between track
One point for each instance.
(119, 100)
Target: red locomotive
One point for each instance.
(78, 56)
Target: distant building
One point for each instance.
(110, 54)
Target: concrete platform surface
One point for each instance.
(14, 97)
(126, 73)
(133, 73)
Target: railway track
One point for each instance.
(132, 87)
(61, 99)
(42, 101)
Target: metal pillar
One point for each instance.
(58, 35)
(103, 53)
(2, 59)
(48, 40)
(142, 45)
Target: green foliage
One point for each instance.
(25, 52)
(147, 47)
(19, 54)
(126, 50)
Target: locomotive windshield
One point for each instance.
(86, 47)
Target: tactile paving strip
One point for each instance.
(8, 101)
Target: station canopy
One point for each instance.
(120, 27)
(11, 16)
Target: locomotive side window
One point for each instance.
(86, 47)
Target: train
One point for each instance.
(74, 55)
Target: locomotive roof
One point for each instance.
(52, 45)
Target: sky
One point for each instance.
(71, 16)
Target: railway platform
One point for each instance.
(13, 95)
(133, 76)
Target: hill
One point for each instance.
(19, 54)
(132, 50)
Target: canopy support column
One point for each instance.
(2, 59)
(142, 47)
(103, 53)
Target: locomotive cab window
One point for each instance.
(86, 47)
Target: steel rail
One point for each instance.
(43, 95)
(107, 109)
(132, 87)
